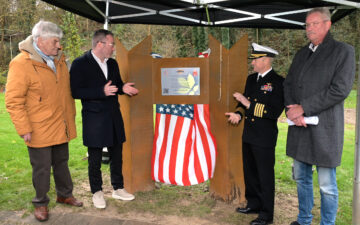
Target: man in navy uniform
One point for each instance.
(262, 103)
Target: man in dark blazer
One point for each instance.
(95, 79)
(263, 103)
(319, 79)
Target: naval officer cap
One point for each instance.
(259, 51)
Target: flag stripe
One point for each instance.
(162, 152)
(206, 158)
(155, 155)
(205, 138)
(197, 164)
(171, 130)
(182, 146)
(188, 147)
(210, 137)
(174, 148)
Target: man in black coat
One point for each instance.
(320, 78)
(263, 102)
(95, 79)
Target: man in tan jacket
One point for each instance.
(38, 99)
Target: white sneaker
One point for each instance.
(122, 194)
(98, 200)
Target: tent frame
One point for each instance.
(249, 15)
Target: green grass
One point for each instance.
(16, 189)
(350, 102)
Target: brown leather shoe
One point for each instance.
(70, 201)
(41, 213)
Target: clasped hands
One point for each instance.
(295, 113)
(127, 88)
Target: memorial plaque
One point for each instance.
(180, 81)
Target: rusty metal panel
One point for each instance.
(228, 72)
(137, 111)
(238, 69)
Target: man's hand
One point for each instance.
(294, 112)
(241, 98)
(110, 89)
(129, 89)
(26, 137)
(234, 118)
(300, 121)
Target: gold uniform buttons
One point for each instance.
(264, 92)
(265, 111)
(252, 120)
(255, 99)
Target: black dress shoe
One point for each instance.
(246, 210)
(259, 221)
(295, 223)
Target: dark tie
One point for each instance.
(259, 78)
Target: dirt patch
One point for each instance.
(350, 116)
(220, 212)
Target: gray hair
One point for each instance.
(324, 11)
(46, 29)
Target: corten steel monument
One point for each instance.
(223, 73)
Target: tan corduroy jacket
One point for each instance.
(38, 100)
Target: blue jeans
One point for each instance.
(328, 190)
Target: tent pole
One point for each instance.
(106, 15)
(105, 157)
(356, 191)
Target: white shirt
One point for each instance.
(263, 74)
(103, 65)
(313, 47)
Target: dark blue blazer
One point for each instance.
(102, 121)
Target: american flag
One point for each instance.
(184, 150)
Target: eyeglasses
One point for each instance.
(314, 24)
(110, 44)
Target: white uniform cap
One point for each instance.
(259, 51)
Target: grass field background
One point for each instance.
(16, 189)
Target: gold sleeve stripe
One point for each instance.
(259, 110)
(262, 110)
(256, 109)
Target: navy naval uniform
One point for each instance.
(259, 140)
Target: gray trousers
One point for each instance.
(42, 159)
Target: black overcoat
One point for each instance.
(101, 117)
(320, 81)
(266, 98)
